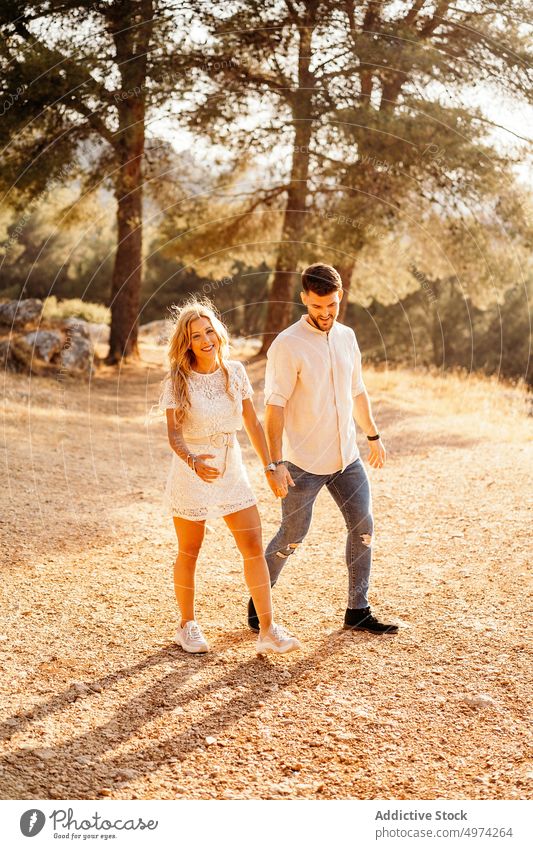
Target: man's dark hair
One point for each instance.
(321, 279)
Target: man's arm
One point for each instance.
(280, 379)
(362, 411)
(274, 422)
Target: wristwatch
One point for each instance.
(280, 462)
(270, 468)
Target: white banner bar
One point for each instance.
(251, 825)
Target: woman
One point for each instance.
(207, 398)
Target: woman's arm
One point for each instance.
(255, 431)
(175, 437)
(194, 461)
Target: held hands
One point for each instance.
(280, 480)
(204, 470)
(376, 454)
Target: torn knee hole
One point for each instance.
(288, 550)
(366, 539)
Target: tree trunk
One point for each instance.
(127, 271)
(345, 272)
(286, 275)
(437, 336)
(130, 24)
(280, 302)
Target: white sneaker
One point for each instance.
(191, 639)
(278, 640)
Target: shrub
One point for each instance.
(76, 308)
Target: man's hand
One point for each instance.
(280, 480)
(376, 454)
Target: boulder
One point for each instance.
(5, 353)
(57, 344)
(77, 353)
(156, 331)
(41, 343)
(93, 330)
(77, 326)
(18, 314)
(99, 333)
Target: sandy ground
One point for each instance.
(97, 701)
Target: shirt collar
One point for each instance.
(313, 329)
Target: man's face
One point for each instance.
(322, 309)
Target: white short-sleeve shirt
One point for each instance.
(315, 376)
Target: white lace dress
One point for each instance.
(212, 412)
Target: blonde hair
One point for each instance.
(180, 355)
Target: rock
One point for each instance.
(66, 346)
(41, 343)
(210, 741)
(17, 314)
(480, 700)
(156, 331)
(79, 688)
(342, 735)
(45, 754)
(279, 788)
(5, 352)
(126, 774)
(77, 354)
(77, 327)
(99, 333)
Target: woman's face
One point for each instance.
(204, 342)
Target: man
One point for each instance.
(313, 391)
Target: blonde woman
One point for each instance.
(207, 399)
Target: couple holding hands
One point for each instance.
(313, 391)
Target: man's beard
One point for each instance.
(315, 322)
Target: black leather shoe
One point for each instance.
(253, 619)
(363, 620)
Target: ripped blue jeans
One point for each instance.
(350, 490)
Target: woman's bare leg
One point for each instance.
(245, 525)
(190, 537)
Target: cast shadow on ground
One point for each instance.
(37, 778)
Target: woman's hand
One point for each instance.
(204, 470)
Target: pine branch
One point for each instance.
(68, 64)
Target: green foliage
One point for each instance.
(396, 171)
(76, 308)
(438, 325)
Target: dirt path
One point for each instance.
(97, 701)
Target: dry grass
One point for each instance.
(474, 401)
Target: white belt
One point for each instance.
(219, 440)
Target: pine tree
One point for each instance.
(75, 73)
(351, 82)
